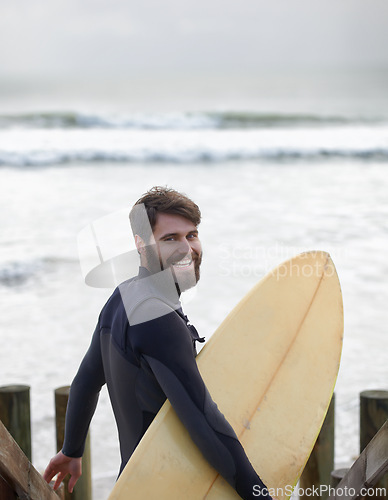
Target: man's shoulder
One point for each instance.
(144, 299)
(149, 309)
(141, 300)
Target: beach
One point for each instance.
(273, 174)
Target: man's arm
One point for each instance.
(165, 344)
(83, 397)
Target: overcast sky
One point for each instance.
(43, 37)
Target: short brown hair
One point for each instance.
(162, 200)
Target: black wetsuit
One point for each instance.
(144, 349)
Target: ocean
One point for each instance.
(278, 165)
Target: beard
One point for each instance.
(185, 276)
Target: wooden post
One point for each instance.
(321, 461)
(15, 414)
(83, 488)
(373, 414)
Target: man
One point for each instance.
(143, 348)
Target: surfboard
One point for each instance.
(271, 367)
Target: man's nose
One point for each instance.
(184, 247)
(181, 249)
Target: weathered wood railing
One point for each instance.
(366, 471)
(317, 473)
(18, 477)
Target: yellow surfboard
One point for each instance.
(271, 367)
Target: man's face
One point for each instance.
(178, 247)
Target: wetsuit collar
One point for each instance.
(163, 282)
(143, 272)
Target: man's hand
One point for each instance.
(63, 465)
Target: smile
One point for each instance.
(182, 264)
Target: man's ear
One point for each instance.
(140, 245)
